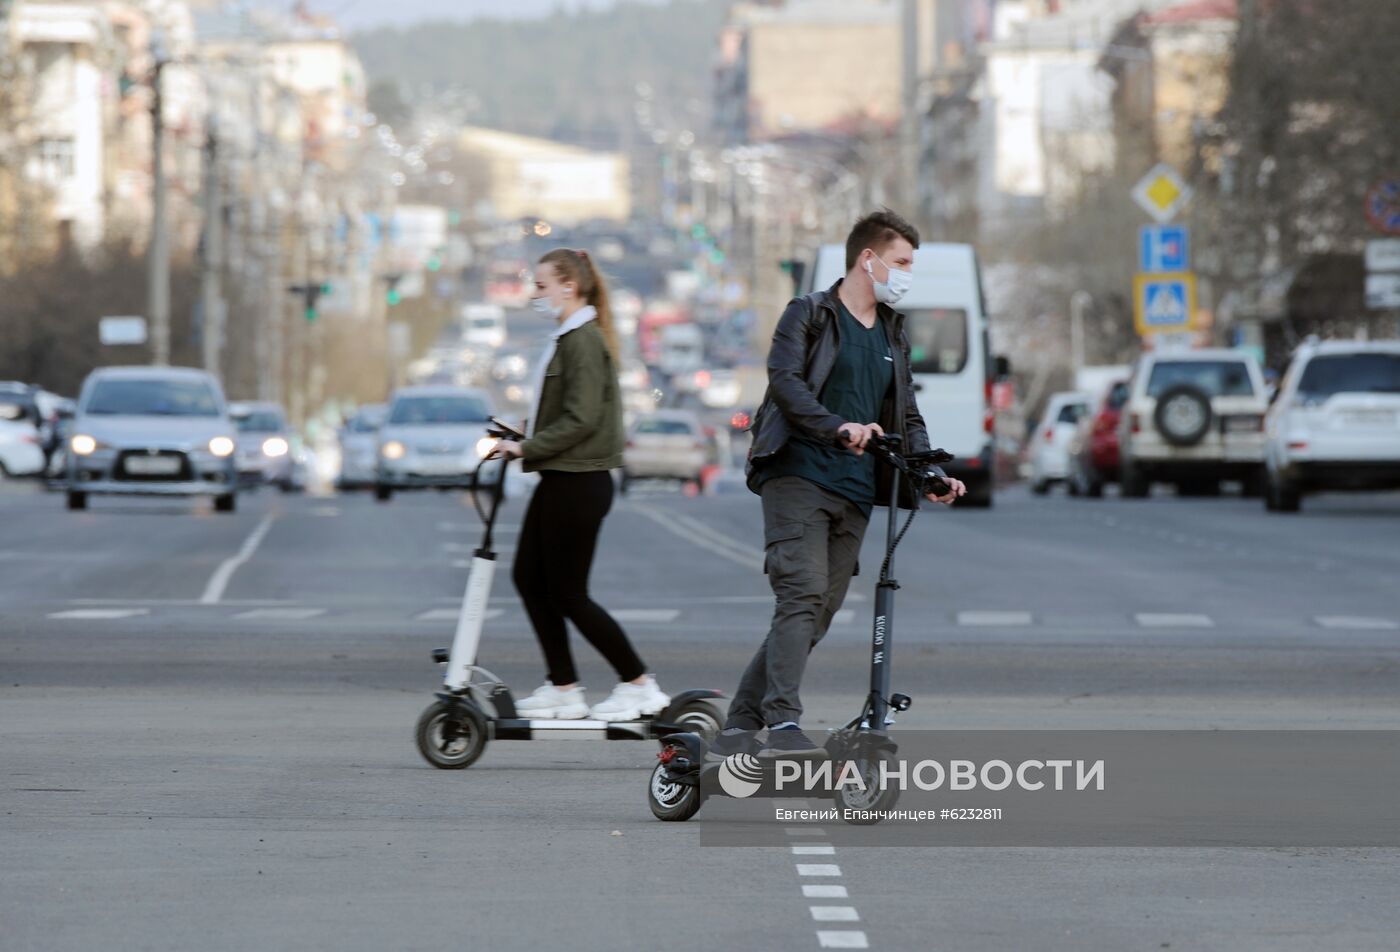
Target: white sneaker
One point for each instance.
(550, 703)
(630, 701)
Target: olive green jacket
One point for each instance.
(580, 408)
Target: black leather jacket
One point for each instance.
(804, 349)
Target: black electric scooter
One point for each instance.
(475, 706)
(682, 778)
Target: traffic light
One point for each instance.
(310, 294)
(391, 294)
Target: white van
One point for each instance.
(946, 323)
(484, 325)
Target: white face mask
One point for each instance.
(890, 291)
(541, 305)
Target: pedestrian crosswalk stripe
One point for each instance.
(994, 619)
(824, 891)
(450, 614)
(1169, 620)
(1357, 622)
(818, 869)
(842, 939)
(835, 913)
(660, 615)
(815, 849)
(279, 614)
(93, 614)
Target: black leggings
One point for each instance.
(552, 562)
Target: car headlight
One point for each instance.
(275, 446)
(221, 446)
(82, 444)
(393, 450)
(484, 446)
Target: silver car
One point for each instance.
(265, 441)
(359, 446)
(162, 431)
(435, 437)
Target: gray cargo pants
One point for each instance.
(812, 540)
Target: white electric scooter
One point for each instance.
(475, 706)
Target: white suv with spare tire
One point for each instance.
(1193, 418)
(1335, 422)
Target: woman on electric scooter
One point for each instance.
(575, 438)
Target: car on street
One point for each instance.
(666, 444)
(435, 438)
(1094, 450)
(162, 431)
(264, 445)
(359, 446)
(1334, 423)
(21, 453)
(484, 325)
(1193, 418)
(1050, 440)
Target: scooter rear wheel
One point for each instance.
(669, 800)
(451, 736)
(702, 717)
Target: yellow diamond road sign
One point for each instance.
(1162, 193)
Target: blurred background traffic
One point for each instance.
(321, 204)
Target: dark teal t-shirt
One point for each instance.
(859, 380)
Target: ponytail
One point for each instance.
(577, 267)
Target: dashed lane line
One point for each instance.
(96, 614)
(1173, 620)
(1357, 623)
(280, 614)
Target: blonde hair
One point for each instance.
(577, 268)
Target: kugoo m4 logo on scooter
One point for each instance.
(740, 775)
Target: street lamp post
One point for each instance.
(158, 247)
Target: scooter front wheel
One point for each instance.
(702, 717)
(873, 796)
(669, 800)
(451, 735)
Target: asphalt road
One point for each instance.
(205, 725)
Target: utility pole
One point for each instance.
(909, 113)
(158, 247)
(210, 292)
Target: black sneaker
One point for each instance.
(727, 744)
(790, 743)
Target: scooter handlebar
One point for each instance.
(922, 468)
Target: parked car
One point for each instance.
(665, 444)
(1335, 422)
(359, 446)
(1050, 440)
(161, 431)
(435, 437)
(264, 445)
(1093, 454)
(1192, 418)
(21, 452)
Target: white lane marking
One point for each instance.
(818, 869)
(661, 615)
(450, 614)
(727, 549)
(476, 527)
(220, 579)
(1356, 622)
(804, 831)
(1170, 620)
(280, 614)
(92, 614)
(842, 939)
(835, 913)
(814, 850)
(994, 619)
(844, 616)
(179, 601)
(824, 891)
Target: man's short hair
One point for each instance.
(875, 231)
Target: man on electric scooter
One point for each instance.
(838, 374)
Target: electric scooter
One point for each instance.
(474, 706)
(683, 778)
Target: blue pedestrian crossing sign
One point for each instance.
(1164, 302)
(1164, 248)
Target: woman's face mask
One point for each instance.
(896, 284)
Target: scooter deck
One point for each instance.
(511, 728)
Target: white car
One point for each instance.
(435, 438)
(1051, 440)
(666, 444)
(1193, 418)
(20, 451)
(359, 446)
(484, 325)
(1334, 423)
